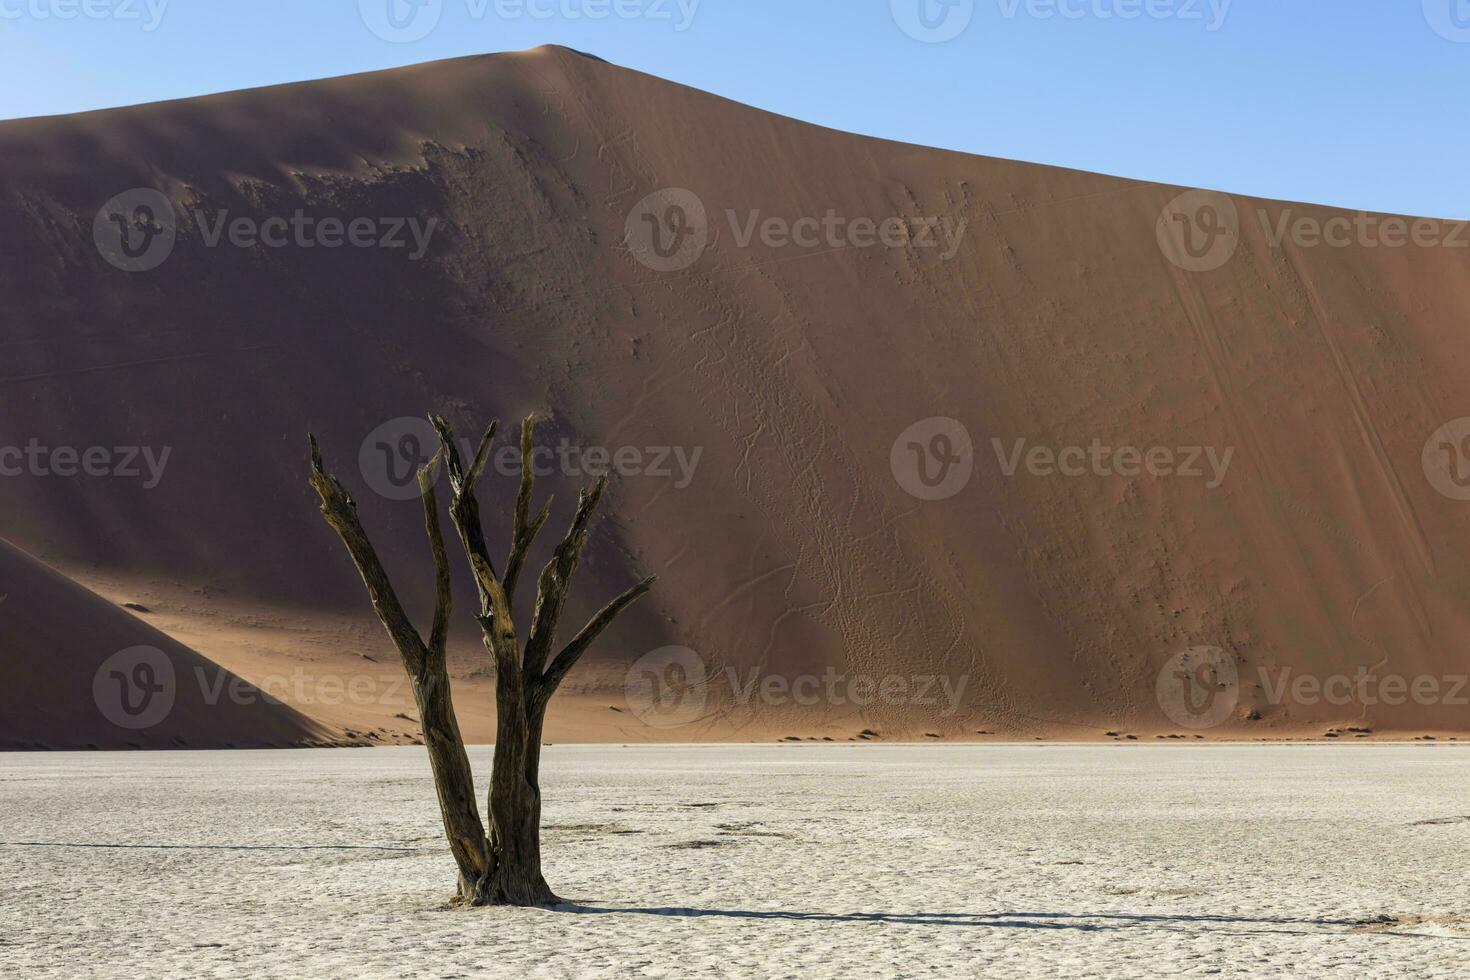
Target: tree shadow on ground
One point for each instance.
(1085, 922)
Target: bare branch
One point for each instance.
(526, 528)
(460, 480)
(513, 572)
(443, 584)
(447, 757)
(340, 510)
(494, 617)
(482, 456)
(556, 580)
(573, 651)
(464, 507)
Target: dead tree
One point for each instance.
(503, 867)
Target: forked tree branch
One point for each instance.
(526, 528)
(572, 652)
(556, 580)
(496, 620)
(464, 506)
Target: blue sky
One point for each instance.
(1357, 103)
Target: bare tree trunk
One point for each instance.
(515, 807)
(425, 664)
(454, 782)
(503, 868)
(515, 837)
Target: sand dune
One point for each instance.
(772, 394)
(82, 673)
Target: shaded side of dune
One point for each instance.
(81, 673)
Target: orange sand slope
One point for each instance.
(1234, 444)
(82, 673)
